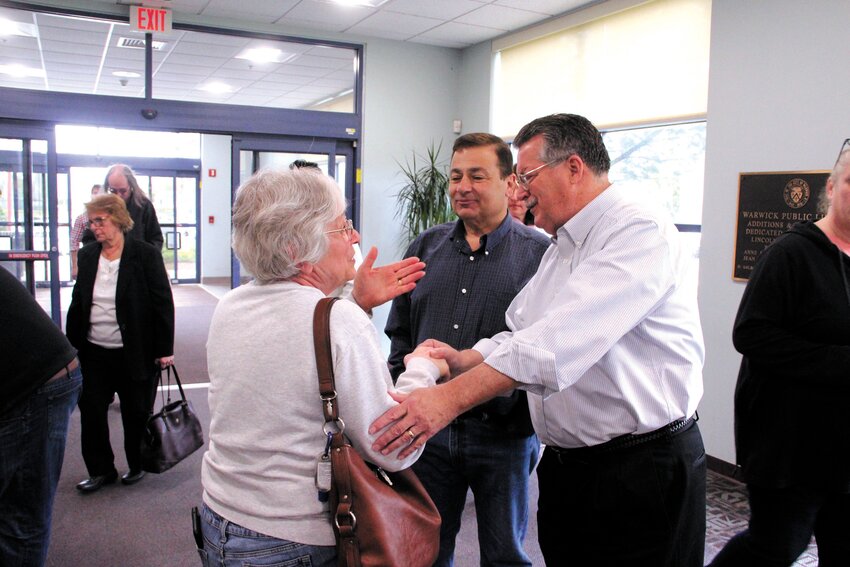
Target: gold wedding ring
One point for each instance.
(398, 281)
(411, 433)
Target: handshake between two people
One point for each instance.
(449, 360)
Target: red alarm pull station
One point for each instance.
(211, 172)
(212, 219)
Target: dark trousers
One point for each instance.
(643, 506)
(782, 522)
(104, 374)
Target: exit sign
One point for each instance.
(150, 20)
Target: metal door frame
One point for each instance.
(28, 132)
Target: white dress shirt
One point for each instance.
(605, 337)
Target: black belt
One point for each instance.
(66, 370)
(628, 441)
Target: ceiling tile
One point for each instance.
(549, 7)
(265, 12)
(326, 13)
(501, 17)
(401, 26)
(464, 34)
(439, 9)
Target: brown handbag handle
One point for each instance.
(324, 362)
(349, 548)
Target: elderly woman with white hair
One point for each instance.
(259, 474)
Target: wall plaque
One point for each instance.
(768, 205)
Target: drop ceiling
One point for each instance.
(72, 54)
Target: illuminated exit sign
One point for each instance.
(150, 20)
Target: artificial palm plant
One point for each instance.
(423, 200)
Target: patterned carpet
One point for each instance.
(727, 514)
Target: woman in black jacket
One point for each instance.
(121, 320)
(792, 432)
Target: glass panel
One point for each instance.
(80, 55)
(340, 173)
(11, 199)
(96, 141)
(285, 159)
(664, 164)
(187, 253)
(187, 210)
(161, 192)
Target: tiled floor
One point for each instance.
(727, 514)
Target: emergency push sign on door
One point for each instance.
(149, 20)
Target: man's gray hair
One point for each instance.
(279, 220)
(840, 164)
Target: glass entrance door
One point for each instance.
(176, 199)
(28, 212)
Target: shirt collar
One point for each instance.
(490, 240)
(578, 228)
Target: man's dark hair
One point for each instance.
(303, 164)
(478, 139)
(566, 135)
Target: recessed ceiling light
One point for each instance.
(265, 55)
(19, 71)
(8, 27)
(125, 74)
(216, 87)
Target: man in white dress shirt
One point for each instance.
(606, 340)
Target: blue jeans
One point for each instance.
(32, 447)
(230, 545)
(471, 453)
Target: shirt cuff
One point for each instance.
(533, 367)
(419, 373)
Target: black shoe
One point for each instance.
(94, 483)
(132, 477)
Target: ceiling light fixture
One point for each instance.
(216, 87)
(126, 74)
(23, 29)
(21, 72)
(262, 55)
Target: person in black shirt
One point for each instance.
(41, 384)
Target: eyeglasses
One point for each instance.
(525, 178)
(96, 221)
(348, 229)
(119, 190)
(844, 146)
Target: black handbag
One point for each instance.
(171, 434)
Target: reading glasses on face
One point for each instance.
(525, 178)
(96, 221)
(348, 229)
(119, 190)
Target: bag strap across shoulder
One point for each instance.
(324, 361)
